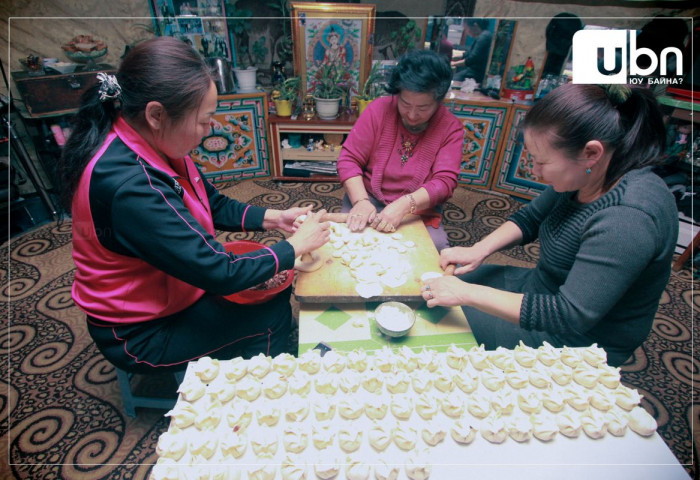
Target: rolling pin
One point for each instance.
(450, 269)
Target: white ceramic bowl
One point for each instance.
(63, 67)
(394, 319)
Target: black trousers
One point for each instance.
(213, 327)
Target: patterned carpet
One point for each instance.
(61, 414)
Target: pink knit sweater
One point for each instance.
(372, 151)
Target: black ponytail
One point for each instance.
(628, 120)
(162, 69)
(90, 127)
(644, 135)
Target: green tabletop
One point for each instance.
(351, 326)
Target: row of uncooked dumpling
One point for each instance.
(599, 386)
(206, 413)
(519, 366)
(327, 467)
(203, 447)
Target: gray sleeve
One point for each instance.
(617, 245)
(529, 218)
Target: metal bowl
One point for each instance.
(394, 319)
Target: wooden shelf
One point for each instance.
(282, 127)
(306, 155)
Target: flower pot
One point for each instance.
(284, 108)
(246, 78)
(362, 104)
(327, 108)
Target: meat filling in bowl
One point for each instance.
(274, 282)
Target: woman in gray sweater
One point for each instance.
(607, 227)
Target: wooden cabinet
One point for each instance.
(298, 132)
(51, 95)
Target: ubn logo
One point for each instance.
(600, 56)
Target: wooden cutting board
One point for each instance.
(333, 282)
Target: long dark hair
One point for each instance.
(162, 69)
(422, 71)
(630, 122)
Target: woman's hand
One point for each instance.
(468, 258)
(287, 220)
(389, 219)
(362, 214)
(311, 234)
(446, 291)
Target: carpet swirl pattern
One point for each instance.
(61, 413)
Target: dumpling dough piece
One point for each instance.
(263, 471)
(309, 262)
(369, 290)
(206, 368)
(428, 275)
(384, 471)
(349, 438)
(641, 422)
(355, 470)
(463, 431)
(327, 467)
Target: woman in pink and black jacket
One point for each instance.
(149, 273)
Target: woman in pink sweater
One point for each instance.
(403, 154)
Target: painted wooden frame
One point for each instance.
(237, 146)
(484, 130)
(201, 23)
(325, 33)
(515, 174)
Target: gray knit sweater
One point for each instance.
(603, 266)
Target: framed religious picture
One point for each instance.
(332, 34)
(200, 23)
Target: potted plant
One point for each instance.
(246, 77)
(285, 94)
(329, 87)
(238, 22)
(369, 88)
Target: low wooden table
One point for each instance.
(333, 282)
(331, 311)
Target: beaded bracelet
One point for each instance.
(360, 200)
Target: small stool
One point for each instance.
(131, 400)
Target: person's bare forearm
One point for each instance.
(502, 304)
(355, 189)
(505, 236)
